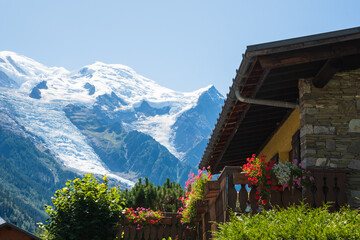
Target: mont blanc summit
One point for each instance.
(106, 118)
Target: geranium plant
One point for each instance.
(141, 216)
(271, 176)
(194, 191)
(260, 175)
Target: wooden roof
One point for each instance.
(9, 226)
(271, 71)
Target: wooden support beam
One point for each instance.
(327, 71)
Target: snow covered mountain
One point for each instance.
(97, 119)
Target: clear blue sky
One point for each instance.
(181, 44)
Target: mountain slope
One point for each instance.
(193, 128)
(28, 179)
(134, 151)
(166, 124)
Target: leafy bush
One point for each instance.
(296, 222)
(84, 209)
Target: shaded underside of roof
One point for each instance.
(273, 73)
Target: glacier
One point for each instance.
(44, 115)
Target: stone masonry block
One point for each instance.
(321, 162)
(308, 162)
(330, 144)
(354, 147)
(324, 130)
(354, 126)
(354, 164)
(306, 129)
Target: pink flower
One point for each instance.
(311, 178)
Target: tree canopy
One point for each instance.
(164, 198)
(84, 209)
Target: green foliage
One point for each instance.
(28, 179)
(164, 198)
(84, 209)
(15, 210)
(169, 196)
(296, 222)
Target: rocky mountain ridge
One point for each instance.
(87, 119)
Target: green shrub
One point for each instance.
(84, 209)
(164, 198)
(296, 222)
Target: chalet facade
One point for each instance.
(292, 99)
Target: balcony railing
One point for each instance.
(221, 196)
(170, 226)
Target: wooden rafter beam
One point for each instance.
(241, 116)
(327, 71)
(308, 55)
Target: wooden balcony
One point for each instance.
(169, 226)
(221, 196)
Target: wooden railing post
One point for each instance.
(329, 188)
(228, 192)
(232, 193)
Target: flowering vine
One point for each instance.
(194, 191)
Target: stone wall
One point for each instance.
(330, 127)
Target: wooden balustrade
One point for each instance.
(170, 226)
(221, 196)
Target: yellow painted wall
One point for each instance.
(281, 141)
